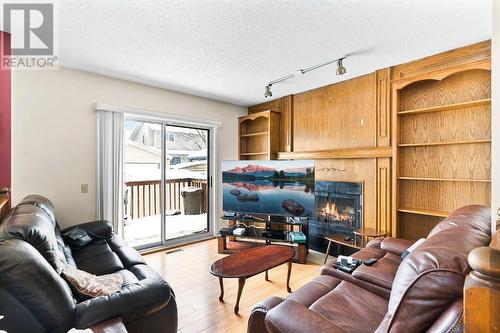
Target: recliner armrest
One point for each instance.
(256, 321)
(395, 245)
(95, 229)
(292, 317)
(375, 243)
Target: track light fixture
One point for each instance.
(340, 71)
(340, 67)
(268, 92)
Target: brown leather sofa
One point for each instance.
(422, 292)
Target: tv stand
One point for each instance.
(264, 230)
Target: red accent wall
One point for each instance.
(5, 114)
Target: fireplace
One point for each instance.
(338, 211)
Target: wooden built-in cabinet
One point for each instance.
(284, 107)
(418, 135)
(259, 135)
(442, 143)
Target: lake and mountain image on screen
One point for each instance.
(269, 187)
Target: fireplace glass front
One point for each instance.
(338, 211)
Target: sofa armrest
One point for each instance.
(96, 229)
(375, 243)
(256, 321)
(292, 317)
(131, 302)
(395, 245)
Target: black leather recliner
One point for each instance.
(33, 296)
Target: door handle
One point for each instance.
(125, 197)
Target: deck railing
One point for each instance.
(144, 196)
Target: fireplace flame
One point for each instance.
(331, 212)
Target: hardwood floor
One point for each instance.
(197, 291)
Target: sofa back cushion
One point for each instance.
(431, 278)
(473, 216)
(41, 202)
(33, 221)
(33, 297)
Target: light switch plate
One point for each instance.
(84, 188)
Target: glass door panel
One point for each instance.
(186, 181)
(142, 183)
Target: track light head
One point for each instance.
(268, 92)
(340, 67)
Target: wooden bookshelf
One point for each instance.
(447, 107)
(259, 135)
(256, 153)
(442, 145)
(264, 133)
(424, 212)
(446, 179)
(424, 144)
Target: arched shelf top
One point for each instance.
(253, 116)
(441, 75)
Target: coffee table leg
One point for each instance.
(221, 297)
(241, 283)
(327, 251)
(267, 276)
(289, 264)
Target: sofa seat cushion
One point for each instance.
(331, 305)
(381, 273)
(352, 308)
(317, 288)
(97, 258)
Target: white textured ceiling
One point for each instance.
(229, 50)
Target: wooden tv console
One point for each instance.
(228, 244)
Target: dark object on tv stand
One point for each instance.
(276, 234)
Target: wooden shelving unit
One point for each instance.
(423, 212)
(254, 134)
(353, 153)
(447, 107)
(442, 146)
(259, 135)
(256, 153)
(424, 144)
(446, 179)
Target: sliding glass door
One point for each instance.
(166, 177)
(143, 161)
(186, 179)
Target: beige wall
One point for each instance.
(54, 132)
(495, 121)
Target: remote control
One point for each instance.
(370, 262)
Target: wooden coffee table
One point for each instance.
(245, 264)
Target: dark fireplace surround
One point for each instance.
(338, 211)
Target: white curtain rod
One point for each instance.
(157, 114)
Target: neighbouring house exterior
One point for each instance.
(186, 153)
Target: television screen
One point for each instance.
(283, 188)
